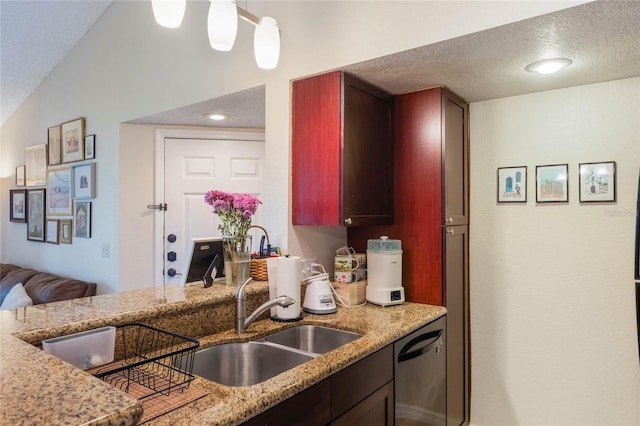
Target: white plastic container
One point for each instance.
(84, 350)
(384, 272)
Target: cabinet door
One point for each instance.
(456, 248)
(376, 410)
(342, 152)
(356, 382)
(367, 157)
(308, 408)
(316, 134)
(455, 159)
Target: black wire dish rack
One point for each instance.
(152, 361)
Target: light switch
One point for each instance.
(105, 250)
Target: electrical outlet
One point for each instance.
(105, 250)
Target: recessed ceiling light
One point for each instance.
(216, 116)
(549, 66)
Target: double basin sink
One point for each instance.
(249, 363)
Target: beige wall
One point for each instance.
(552, 298)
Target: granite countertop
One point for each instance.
(36, 388)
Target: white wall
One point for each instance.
(128, 67)
(552, 299)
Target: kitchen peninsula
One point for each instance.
(36, 388)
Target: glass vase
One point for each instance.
(237, 259)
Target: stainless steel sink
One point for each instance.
(245, 364)
(249, 363)
(312, 338)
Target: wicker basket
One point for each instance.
(259, 266)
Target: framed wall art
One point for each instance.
(512, 184)
(53, 142)
(18, 205)
(20, 178)
(36, 214)
(72, 134)
(82, 219)
(59, 191)
(552, 183)
(52, 231)
(84, 181)
(90, 147)
(597, 182)
(66, 231)
(36, 165)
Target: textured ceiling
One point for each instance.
(602, 38)
(34, 37)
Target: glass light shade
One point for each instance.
(266, 43)
(222, 24)
(168, 13)
(549, 66)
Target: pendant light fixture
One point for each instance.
(168, 13)
(266, 43)
(222, 24)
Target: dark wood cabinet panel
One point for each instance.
(456, 248)
(342, 145)
(308, 408)
(376, 410)
(455, 153)
(355, 383)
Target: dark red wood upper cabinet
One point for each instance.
(342, 152)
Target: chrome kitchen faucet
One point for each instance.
(241, 307)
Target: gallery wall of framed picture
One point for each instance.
(55, 185)
(596, 183)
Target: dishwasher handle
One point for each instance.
(408, 352)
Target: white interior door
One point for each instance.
(193, 165)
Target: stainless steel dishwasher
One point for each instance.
(421, 376)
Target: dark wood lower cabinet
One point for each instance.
(310, 407)
(375, 410)
(361, 394)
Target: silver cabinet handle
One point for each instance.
(448, 220)
(450, 231)
(347, 221)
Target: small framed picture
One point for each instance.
(53, 142)
(72, 134)
(52, 231)
(552, 183)
(84, 181)
(82, 219)
(66, 231)
(59, 191)
(512, 184)
(597, 182)
(36, 214)
(18, 205)
(36, 165)
(90, 147)
(20, 176)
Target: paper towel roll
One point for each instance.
(272, 274)
(288, 284)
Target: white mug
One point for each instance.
(344, 266)
(345, 251)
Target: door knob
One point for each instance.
(171, 272)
